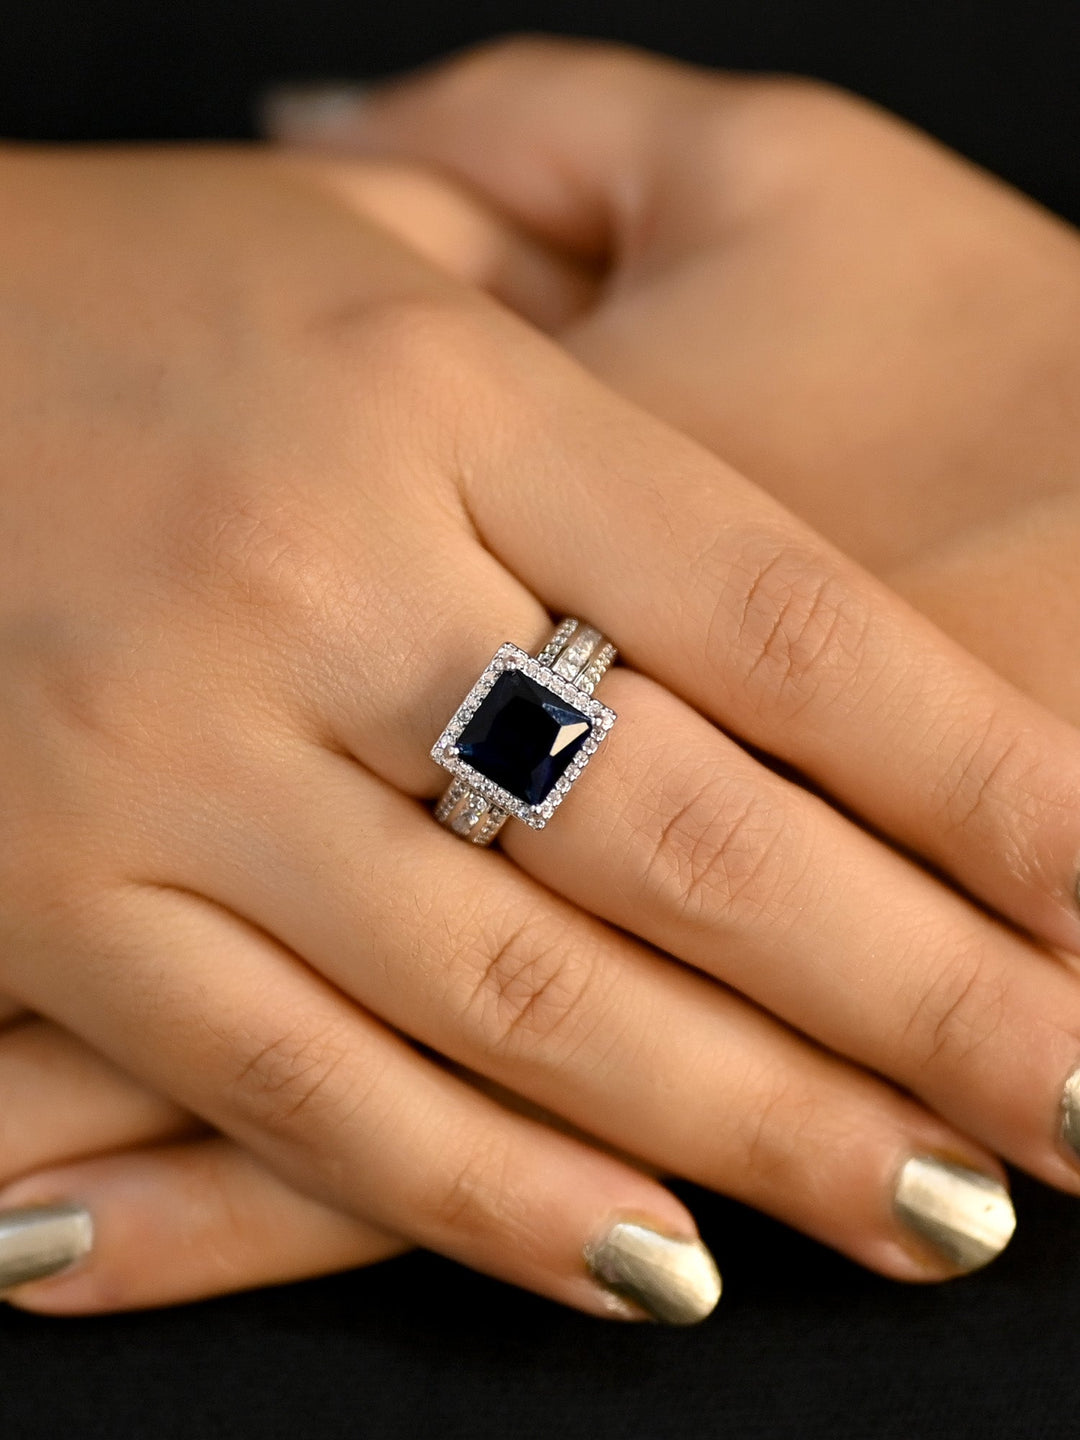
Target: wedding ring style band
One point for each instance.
(524, 733)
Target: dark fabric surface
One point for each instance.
(996, 80)
(804, 1344)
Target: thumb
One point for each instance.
(602, 151)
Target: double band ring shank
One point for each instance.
(561, 679)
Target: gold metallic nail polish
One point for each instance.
(41, 1240)
(964, 1214)
(675, 1281)
(1070, 1113)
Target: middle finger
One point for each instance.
(463, 952)
(679, 836)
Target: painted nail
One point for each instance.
(42, 1240)
(1070, 1113)
(675, 1281)
(964, 1214)
(310, 112)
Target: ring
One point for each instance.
(524, 733)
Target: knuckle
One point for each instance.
(474, 1196)
(531, 990)
(409, 342)
(992, 785)
(796, 632)
(964, 1008)
(433, 354)
(720, 847)
(783, 1128)
(293, 1085)
(481, 1193)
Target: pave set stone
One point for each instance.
(522, 735)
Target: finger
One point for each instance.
(464, 236)
(964, 770)
(492, 971)
(581, 143)
(350, 1113)
(122, 1004)
(59, 1100)
(707, 586)
(706, 854)
(678, 836)
(684, 843)
(178, 1222)
(784, 253)
(787, 644)
(411, 667)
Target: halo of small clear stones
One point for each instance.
(562, 634)
(511, 657)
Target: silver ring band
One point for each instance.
(494, 776)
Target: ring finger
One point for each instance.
(462, 951)
(677, 835)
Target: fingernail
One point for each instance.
(1070, 1113)
(310, 112)
(675, 1281)
(42, 1240)
(964, 1214)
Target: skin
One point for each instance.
(825, 1162)
(881, 334)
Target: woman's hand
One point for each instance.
(879, 333)
(273, 492)
(174, 1212)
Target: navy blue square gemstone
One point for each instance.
(523, 737)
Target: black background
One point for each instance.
(998, 81)
(803, 1345)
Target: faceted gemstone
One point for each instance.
(523, 737)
